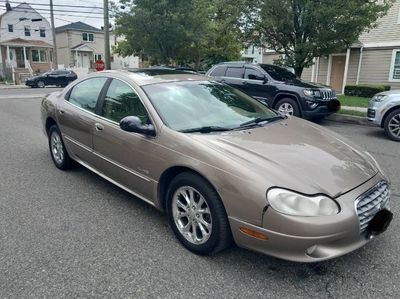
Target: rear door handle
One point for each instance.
(99, 127)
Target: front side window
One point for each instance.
(395, 67)
(234, 72)
(86, 93)
(10, 28)
(253, 74)
(188, 105)
(278, 73)
(27, 30)
(121, 101)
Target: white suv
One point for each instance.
(384, 110)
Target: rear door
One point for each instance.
(234, 77)
(76, 117)
(123, 156)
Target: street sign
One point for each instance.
(99, 65)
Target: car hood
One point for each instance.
(33, 78)
(295, 154)
(389, 92)
(301, 83)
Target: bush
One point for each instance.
(364, 90)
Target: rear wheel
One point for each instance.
(57, 148)
(197, 215)
(288, 106)
(392, 125)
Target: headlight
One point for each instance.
(311, 93)
(291, 203)
(379, 98)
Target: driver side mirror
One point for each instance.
(134, 124)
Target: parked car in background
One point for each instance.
(58, 78)
(278, 88)
(220, 163)
(384, 111)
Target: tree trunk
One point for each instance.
(298, 70)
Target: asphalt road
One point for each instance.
(25, 93)
(73, 234)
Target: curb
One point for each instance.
(13, 87)
(362, 121)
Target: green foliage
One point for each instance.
(174, 32)
(365, 90)
(304, 29)
(352, 101)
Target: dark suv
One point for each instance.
(278, 88)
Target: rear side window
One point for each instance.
(234, 72)
(219, 71)
(86, 93)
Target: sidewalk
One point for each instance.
(12, 86)
(359, 109)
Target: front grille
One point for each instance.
(371, 202)
(328, 94)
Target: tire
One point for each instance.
(392, 125)
(288, 106)
(58, 152)
(40, 84)
(217, 234)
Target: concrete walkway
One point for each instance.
(360, 109)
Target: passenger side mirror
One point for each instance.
(134, 124)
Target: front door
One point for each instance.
(337, 73)
(13, 58)
(85, 59)
(123, 156)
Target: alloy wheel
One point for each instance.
(192, 215)
(394, 125)
(40, 84)
(57, 148)
(286, 109)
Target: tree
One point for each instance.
(180, 31)
(304, 29)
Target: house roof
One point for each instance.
(78, 26)
(83, 47)
(26, 43)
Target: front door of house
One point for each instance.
(13, 58)
(337, 73)
(85, 60)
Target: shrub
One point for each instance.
(364, 90)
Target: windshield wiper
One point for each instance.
(205, 129)
(258, 120)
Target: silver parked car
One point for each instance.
(222, 165)
(384, 111)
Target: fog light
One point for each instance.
(311, 104)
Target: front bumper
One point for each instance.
(323, 109)
(30, 83)
(308, 239)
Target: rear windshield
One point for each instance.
(278, 73)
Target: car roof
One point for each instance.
(157, 75)
(243, 63)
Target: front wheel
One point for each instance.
(392, 125)
(288, 106)
(40, 84)
(197, 215)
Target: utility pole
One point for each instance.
(53, 31)
(106, 37)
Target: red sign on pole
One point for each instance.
(99, 65)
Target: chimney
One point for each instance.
(8, 6)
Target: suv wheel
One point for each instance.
(288, 106)
(197, 215)
(392, 125)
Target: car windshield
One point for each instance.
(278, 73)
(185, 106)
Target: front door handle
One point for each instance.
(61, 111)
(99, 127)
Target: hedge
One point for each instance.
(364, 90)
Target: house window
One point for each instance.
(97, 57)
(395, 66)
(27, 30)
(42, 32)
(39, 56)
(87, 37)
(10, 28)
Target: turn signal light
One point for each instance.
(253, 234)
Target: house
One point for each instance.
(79, 45)
(252, 54)
(373, 59)
(26, 43)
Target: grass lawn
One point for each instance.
(352, 112)
(353, 101)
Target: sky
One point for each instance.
(92, 13)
